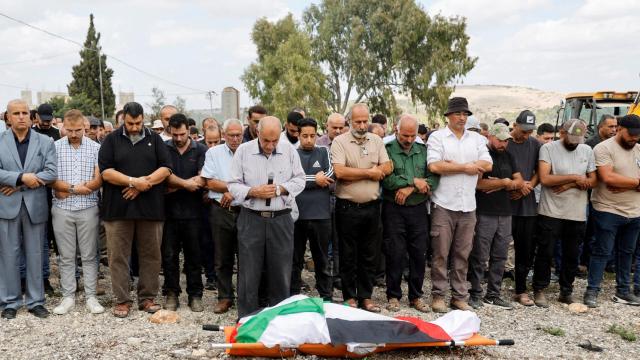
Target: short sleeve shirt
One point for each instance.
(140, 159)
(626, 163)
(570, 204)
(183, 204)
(525, 156)
(346, 151)
(497, 203)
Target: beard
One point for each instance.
(627, 145)
(358, 134)
(570, 147)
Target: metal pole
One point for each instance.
(100, 76)
(211, 101)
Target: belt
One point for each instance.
(231, 209)
(355, 205)
(270, 214)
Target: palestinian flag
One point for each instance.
(302, 320)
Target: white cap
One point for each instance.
(472, 123)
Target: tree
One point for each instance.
(58, 105)
(181, 104)
(284, 76)
(374, 50)
(86, 75)
(159, 100)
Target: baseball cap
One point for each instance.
(526, 120)
(95, 122)
(576, 130)
(472, 123)
(631, 123)
(500, 131)
(45, 112)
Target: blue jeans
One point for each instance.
(636, 274)
(610, 230)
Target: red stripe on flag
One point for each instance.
(432, 330)
(234, 333)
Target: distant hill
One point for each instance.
(489, 102)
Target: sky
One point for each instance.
(190, 47)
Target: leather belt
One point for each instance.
(231, 209)
(270, 214)
(355, 205)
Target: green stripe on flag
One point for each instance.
(252, 330)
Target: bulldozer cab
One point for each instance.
(590, 107)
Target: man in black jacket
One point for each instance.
(314, 221)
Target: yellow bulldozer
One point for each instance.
(591, 106)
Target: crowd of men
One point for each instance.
(474, 202)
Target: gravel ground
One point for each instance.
(80, 335)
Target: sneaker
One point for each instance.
(590, 299)
(65, 306)
(627, 299)
(554, 278)
(475, 302)
(498, 301)
(540, 300)
(94, 306)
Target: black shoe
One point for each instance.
(48, 289)
(210, 285)
(590, 299)
(475, 302)
(337, 283)
(627, 299)
(39, 311)
(565, 298)
(8, 314)
(499, 302)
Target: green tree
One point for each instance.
(284, 76)
(181, 104)
(83, 103)
(58, 105)
(374, 50)
(86, 78)
(158, 101)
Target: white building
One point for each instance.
(230, 101)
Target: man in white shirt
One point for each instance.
(459, 156)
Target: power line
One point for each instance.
(35, 59)
(96, 50)
(13, 86)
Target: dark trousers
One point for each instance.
(182, 235)
(318, 232)
(263, 243)
(570, 234)
(589, 234)
(225, 240)
(148, 238)
(359, 247)
(491, 243)
(206, 244)
(405, 231)
(523, 228)
(613, 230)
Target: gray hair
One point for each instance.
(406, 117)
(267, 118)
(604, 118)
(108, 124)
(230, 122)
(356, 106)
(15, 102)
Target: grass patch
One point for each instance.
(624, 333)
(555, 331)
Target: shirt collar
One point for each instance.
(192, 145)
(396, 148)
(126, 133)
(26, 138)
(448, 132)
(353, 139)
(277, 149)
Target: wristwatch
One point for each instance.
(277, 190)
(72, 189)
(130, 182)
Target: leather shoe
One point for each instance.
(149, 306)
(222, 306)
(369, 305)
(195, 304)
(9, 313)
(39, 311)
(419, 305)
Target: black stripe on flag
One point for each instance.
(376, 332)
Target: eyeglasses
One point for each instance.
(234, 136)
